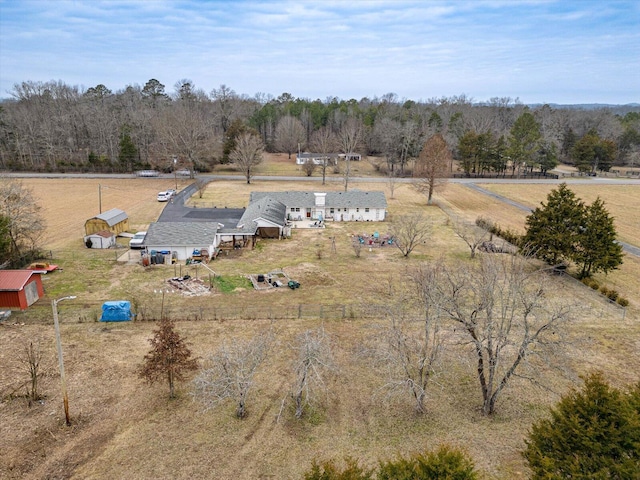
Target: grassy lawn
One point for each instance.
(123, 428)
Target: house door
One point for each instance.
(308, 213)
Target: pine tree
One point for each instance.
(597, 249)
(593, 433)
(592, 153)
(524, 141)
(128, 152)
(552, 229)
(168, 358)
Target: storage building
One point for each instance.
(20, 288)
(115, 221)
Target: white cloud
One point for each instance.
(331, 48)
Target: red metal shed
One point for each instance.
(20, 288)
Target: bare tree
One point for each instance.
(410, 346)
(324, 142)
(226, 103)
(247, 154)
(350, 139)
(314, 360)
(229, 372)
(502, 308)
(409, 231)
(433, 166)
(30, 359)
(290, 133)
(201, 186)
(169, 357)
(392, 181)
(472, 235)
(24, 225)
(309, 166)
(185, 131)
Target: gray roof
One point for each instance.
(266, 208)
(178, 234)
(351, 199)
(113, 216)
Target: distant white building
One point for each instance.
(330, 158)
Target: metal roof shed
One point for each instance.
(20, 288)
(115, 221)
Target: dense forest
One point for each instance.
(52, 126)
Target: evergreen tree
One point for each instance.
(553, 229)
(592, 153)
(597, 249)
(5, 238)
(168, 358)
(547, 157)
(524, 141)
(592, 434)
(568, 141)
(235, 130)
(128, 152)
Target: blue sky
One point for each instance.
(538, 51)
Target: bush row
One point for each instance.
(610, 293)
(445, 463)
(506, 234)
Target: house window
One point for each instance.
(357, 209)
(331, 211)
(366, 210)
(296, 209)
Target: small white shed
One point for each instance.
(101, 239)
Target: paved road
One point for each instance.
(177, 210)
(632, 249)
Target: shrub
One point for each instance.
(329, 471)
(444, 464)
(484, 223)
(623, 302)
(604, 290)
(592, 433)
(612, 294)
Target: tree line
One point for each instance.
(52, 126)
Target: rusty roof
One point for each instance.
(15, 280)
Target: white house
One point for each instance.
(182, 238)
(352, 206)
(330, 158)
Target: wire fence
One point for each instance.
(41, 313)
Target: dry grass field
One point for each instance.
(123, 428)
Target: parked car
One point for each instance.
(172, 191)
(165, 196)
(137, 240)
(183, 172)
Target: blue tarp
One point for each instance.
(116, 311)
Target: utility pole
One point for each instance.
(175, 172)
(65, 397)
